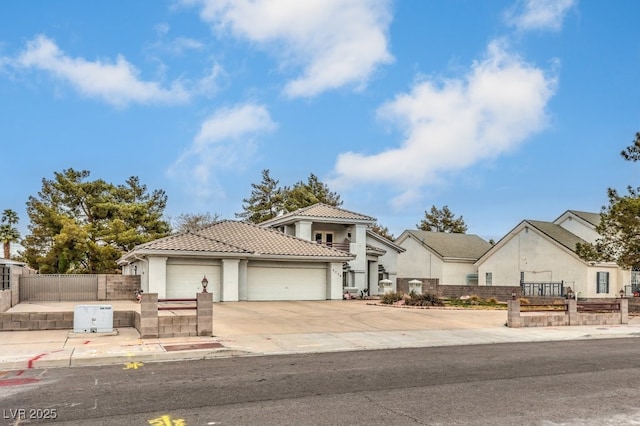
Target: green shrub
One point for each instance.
(424, 299)
(391, 298)
(476, 300)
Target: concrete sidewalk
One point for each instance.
(271, 328)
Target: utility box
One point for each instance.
(93, 319)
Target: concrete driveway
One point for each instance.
(342, 316)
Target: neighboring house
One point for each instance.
(376, 258)
(541, 258)
(446, 257)
(241, 261)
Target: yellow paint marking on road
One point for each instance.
(166, 420)
(132, 365)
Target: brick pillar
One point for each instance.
(149, 316)
(624, 311)
(572, 311)
(102, 287)
(513, 314)
(204, 314)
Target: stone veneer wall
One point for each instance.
(515, 319)
(431, 285)
(154, 323)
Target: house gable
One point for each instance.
(320, 212)
(582, 224)
(447, 257)
(534, 251)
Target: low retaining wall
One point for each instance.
(29, 321)
(570, 316)
(150, 322)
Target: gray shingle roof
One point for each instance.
(592, 218)
(557, 233)
(321, 210)
(464, 246)
(242, 238)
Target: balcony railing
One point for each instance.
(339, 246)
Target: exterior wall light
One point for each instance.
(205, 283)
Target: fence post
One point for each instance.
(513, 314)
(149, 316)
(572, 311)
(624, 311)
(204, 314)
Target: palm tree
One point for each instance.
(8, 233)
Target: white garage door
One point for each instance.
(286, 281)
(184, 281)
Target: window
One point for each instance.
(5, 277)
(488, 278)
(602, 279)
(325, 238)
(635, 279)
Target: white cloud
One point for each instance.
(539, 14)
(450, 125)
(117, 83)
(336, 42)
(226, 141)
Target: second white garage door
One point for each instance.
(286, 281)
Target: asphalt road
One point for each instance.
(557, 383)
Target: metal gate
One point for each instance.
(58, 288)
(550, 289)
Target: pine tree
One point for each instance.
(442, 220)
(265, 201)
(82, 226)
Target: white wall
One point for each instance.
(577, 227)
(455, 273)
(540, 260)
(418, 262)
(359, 264)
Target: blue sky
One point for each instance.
(501, 110)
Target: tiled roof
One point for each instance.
(321, 210)
(242, 238)
(190, 241)
(464, 246)
(557, 233)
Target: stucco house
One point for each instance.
(448, 258)
(375, 257)
(241, 261)
(541, 257)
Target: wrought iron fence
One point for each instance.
(5, 277)
(539, 289)
(58, 288)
